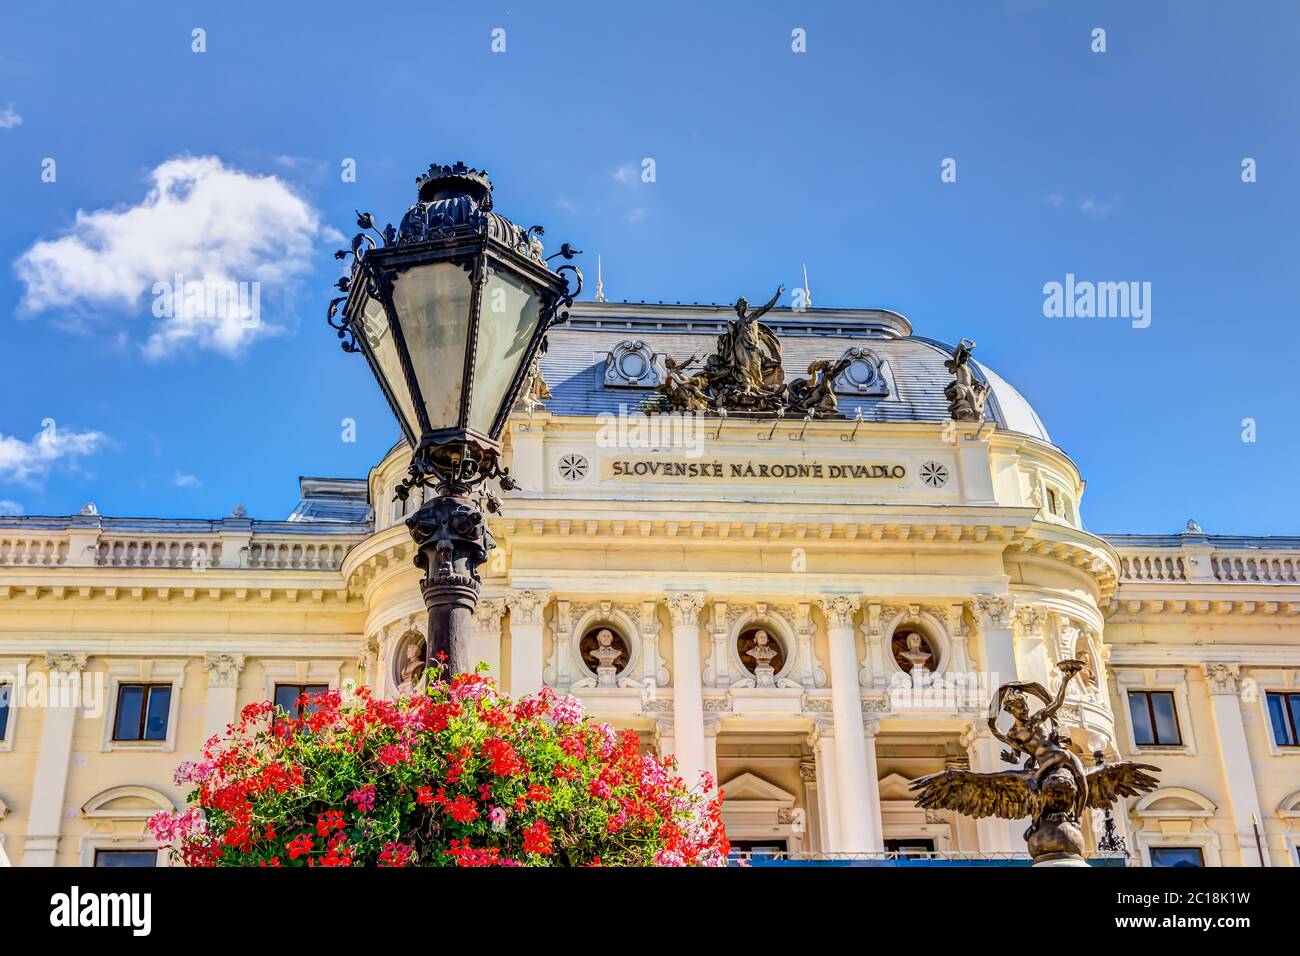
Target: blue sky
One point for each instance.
(1115, 166)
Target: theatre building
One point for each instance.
(797, 549)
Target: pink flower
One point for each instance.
(194, 771)
(608, 739)
(669, 858)
(497, 817)
(568, 710)
(364, 798)
(168, 827)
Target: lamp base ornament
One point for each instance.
(452, 540)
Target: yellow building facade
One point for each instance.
(815, 611)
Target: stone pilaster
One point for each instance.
(527, 614)
(688, 693)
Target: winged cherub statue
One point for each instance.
(1052, 788)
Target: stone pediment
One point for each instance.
(896, 787)
(748, 788)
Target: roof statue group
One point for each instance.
(1052, 788)
(744, 375)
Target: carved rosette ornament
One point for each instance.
(223, 669)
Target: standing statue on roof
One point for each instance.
(749, 351)
(966, 395)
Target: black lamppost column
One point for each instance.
(451, 311)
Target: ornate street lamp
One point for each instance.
(451, 310)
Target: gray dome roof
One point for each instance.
(912, 366)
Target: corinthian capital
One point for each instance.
(994, 610)
(527, 607)
(487, 616)
(223, 669)
(839, 609)
(684, 607)
(66, 662)
(1223, 678)
(1029, 618)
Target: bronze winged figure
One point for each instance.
(1052, 788)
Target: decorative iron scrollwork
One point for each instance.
(348, 337)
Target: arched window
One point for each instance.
(605, 652)
(913, 649)
(408, 661)
(761, 652)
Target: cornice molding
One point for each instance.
(1131, 609)
(201, 589)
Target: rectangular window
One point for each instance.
(286, 698)
(6, 695)
(126, 858)
(1283, 712)
(142, 711)
(1177, 856)
(910, 847)
(1155, 720)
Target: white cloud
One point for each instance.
(213, 225)
(636, 214)
(1094, 207)
(30, 461)
(9, 119)
(8, 507)
(1055, 198)
(186, 481)
(627, 173)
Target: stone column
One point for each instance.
(712, 726)
(223, 689)
(822, 742)
(813, 839)
(995, 834)
(45, 822)
(858, 833)
(997, 646)
(875, 823)
(527, 613)
(1031, 644)
(653, 669)
(1225, 700)
(665, 742)
(688, 692)
(485, 636)
(873, 673)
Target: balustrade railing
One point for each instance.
(28, 550)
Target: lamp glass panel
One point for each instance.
(432, 304)
(379, 339)
(508, 316)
